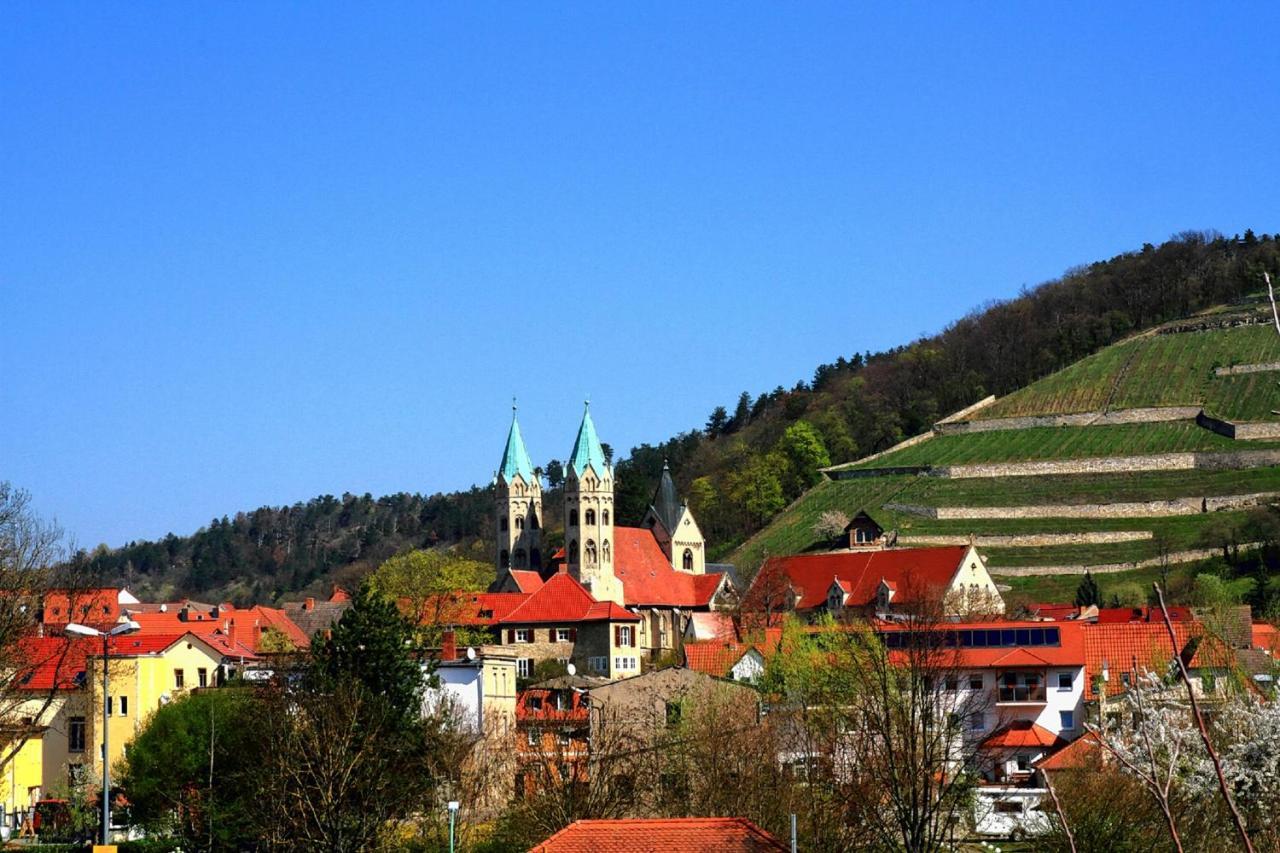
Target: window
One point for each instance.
(75, 734)
(1064, 681)
(124, 706)
(977, 722)
(573, 518)
(535, 703)
(573, 552)
(604, 516)
(562, 701)
(524, 668)
(562, 738)
(502, 523)
(1067, 720)
(952, 684)
(1023, 762)
(202, 677)
(524, 635)
(1124, 679)
(519, 523)
(625, 636)
(531, 737)
(522, 559)
(590, 551)
(975, 681)
(608, 554)
(109, 706)
(590, 517)
(622, 664)
(598, 664)
(688, 560)
(564, 635)
(179, 679)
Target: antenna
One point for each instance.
(571, 669)
(471, 653)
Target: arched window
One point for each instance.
(519, 523)
(604, 516)
(521, 558)
(535, 559)
(590, 516)
(573, 518)
(688, 560)
(502, 523)
(533, 521)
(504, 559)
(590, 551)
(573, 552)
(608, 554)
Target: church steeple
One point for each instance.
(587, 449)
(518, 506)
(588, 514)
(666, 506)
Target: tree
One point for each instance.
(717, 422)
(804, 452)
(195, 770)
(428, 585)
(555, 474)
(1087, 593)
(742, 412)
(830, 524)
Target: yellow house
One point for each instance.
(148, 671)
(22, 780)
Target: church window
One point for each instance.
(590, 517)
(573, 518)
(521, 558)
(688, 560)
(608, 554)
(502, 523)
(573, 551)
(604, 516)
(504, 559)
(590, 551)
(519, 524)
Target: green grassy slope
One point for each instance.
(1153, 370)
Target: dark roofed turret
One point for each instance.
(666, 504)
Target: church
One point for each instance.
(658, 571)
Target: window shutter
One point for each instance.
(573, 635)
(633, 636)
(511, 636)
(617, 635)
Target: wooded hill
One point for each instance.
(752, 458)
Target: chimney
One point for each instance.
(309, 604)
(231, 631)
(449, 647)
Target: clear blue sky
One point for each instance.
(252, 253)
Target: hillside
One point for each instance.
(754, 458)
(1124, 460)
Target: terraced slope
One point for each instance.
(1092, 518)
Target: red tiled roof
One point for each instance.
(914, 570)
(648, 577)
(1108, 615)
(60, 606)
(54, 662)
(562, 599)
(577, 712)
(718, 657)
(1022, 734)
(142, 643)
(526, 580)
(247, 624)
(670, 835)
(1080, 754)
(1266, 637)
(1021, 657)
(1119, 644)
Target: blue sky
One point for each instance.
(252, 253)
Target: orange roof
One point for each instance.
(648, 577)
(526, 580)
(713, 657)
(911, 571)
(100, 605)
(55, 662)
(577, 712)
(1080, 754)
(1119, 644)
(1266, 637)
(247, 625)
(563, 599)
(670, 835)
(1022, 734)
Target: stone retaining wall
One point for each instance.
(968, 410)
(1154, 414)
(862, 473)
(1238, 369)
(1230, 460)
(1108, 568)
(1245, 431)
(1131, 509)
(1033, 540)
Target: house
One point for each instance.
(658, 571)
(313, 616)
(92, 606)
(553, 744)
(477, 691)
(875, 581)
(265, 630)
(731, 660)
(864, 532)
(665, 835)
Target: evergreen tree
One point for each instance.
(717, 422)
(1087, 593)
(742, 414)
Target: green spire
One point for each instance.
(515, 459)
(586, 447)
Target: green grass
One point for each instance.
(1096, 488)
(1059, 443)
(1160, 370)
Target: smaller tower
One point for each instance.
(588, 515)
(673, 525)
(518, 509)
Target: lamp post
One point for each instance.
(453, 813)
(85, 631)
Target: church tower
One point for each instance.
(518, 509)
(588, 515)
(675, 528)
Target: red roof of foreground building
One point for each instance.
(526, 580)
(718, 657)
(1081, 754)
(1120, 644)
(1266, 637)
(94, 606)
(911, 571)
(670, 835)
(245, 626)
(562, 599)
(1022, 734)
(56, 662)
(648, 577)
(538, 704)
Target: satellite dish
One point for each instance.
(571, 669)
(471, 653)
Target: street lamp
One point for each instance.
(453, 813)
(85, 631)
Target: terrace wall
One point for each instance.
(1206, 461)
(1243, 431)
(1157, 414)
(1130, 509)
(1238, 369)
(1108, 568)
(1033, 540)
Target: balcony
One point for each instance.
(1020, 688)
